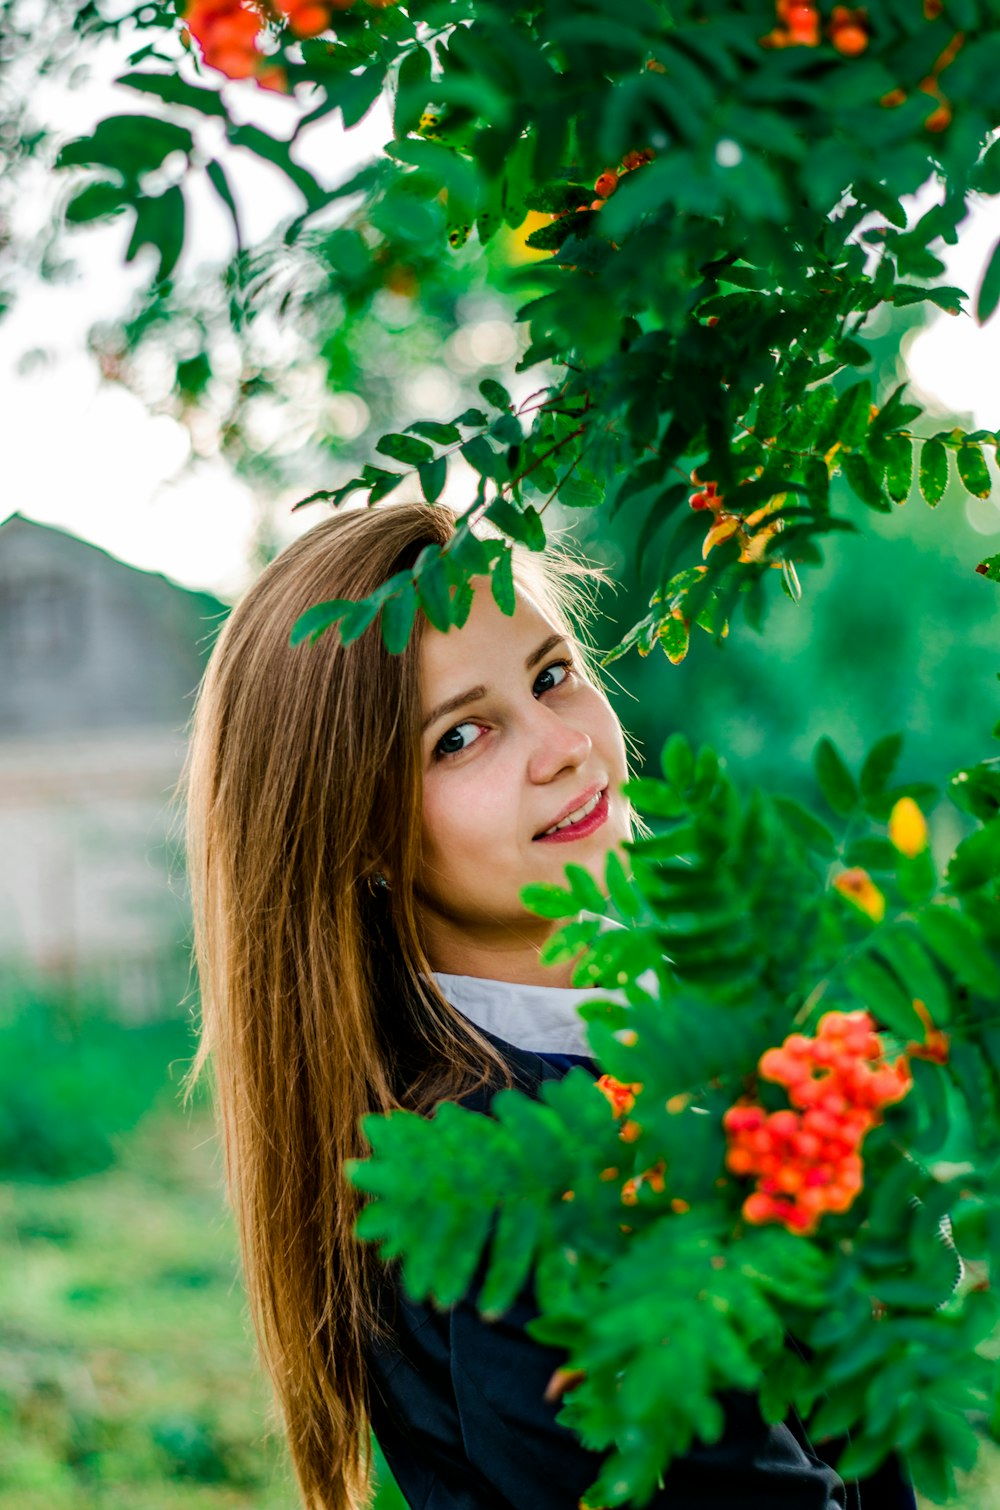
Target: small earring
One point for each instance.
(377, 882)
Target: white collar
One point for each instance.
(541, 1018)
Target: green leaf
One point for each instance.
(548, 901)
(806, 827)
(524, 525)
(654, 797)
(973, 471)
(976, 861)
(503, 583)
(398, 614)
(587, 895)
(576, 492)
(677, 762)
(173, 90)
(945, 297)
(131, 144)
(816, 477)
(515, 1240)
(412, 91)
(858, 471)
(933, 471)
(852, 415)
(159, 223)
(956, 941)
(431, 429)
(977, 790)
(835, 780)
(878, 989)
(898, 451)
(472, 418)
(405, 448)
(495, 394)
(220, 183)
(352, 617)
(620, 888)
(879, 764)
(989, 289)
(433, 475)
(481, 457)
(872, 852)
(96, 201)
(770, 405)
(433, 590)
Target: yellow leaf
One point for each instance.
(908, 828)
(723, 529)
(860, 890)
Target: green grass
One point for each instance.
(128, 1376)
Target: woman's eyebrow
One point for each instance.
(452, 704)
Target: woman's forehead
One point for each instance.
(488, 640)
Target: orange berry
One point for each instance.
(758, 1208)
(308, 20)
(783, 1124)
(275, 79)
(234, 64)
(606, 184)
(939, 119)
(849, 39)
(798, 1045)
(740, 1161)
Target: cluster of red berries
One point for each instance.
(229, 32)
(607, 182)
(808, 1162)
(801, 25)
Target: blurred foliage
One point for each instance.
(74, 1078)
(127, 1379)
(724, 187)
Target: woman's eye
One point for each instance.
(553, 676)
(457, 739)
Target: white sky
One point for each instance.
(86, 455)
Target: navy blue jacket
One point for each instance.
(458, 1408)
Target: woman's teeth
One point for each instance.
(581, 812)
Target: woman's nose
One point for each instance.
(556, 746)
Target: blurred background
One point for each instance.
(153, 450)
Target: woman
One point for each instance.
(361, 826)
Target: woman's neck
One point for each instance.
(510, 957)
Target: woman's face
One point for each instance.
(515, 742)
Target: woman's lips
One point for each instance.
(580, 830)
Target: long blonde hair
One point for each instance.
(318, 1004)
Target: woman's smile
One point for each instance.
(585, 817)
